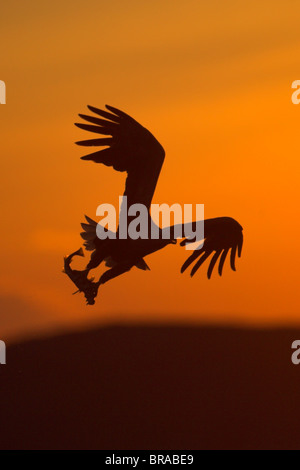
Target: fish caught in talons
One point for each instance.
(80, 279)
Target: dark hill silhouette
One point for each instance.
(152, 388)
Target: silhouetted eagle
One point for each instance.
(131, 148)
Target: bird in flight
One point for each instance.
(127, 146)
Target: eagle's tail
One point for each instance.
(89, 235)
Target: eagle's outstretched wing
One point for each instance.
(129, 147)
(222, 235)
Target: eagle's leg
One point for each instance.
(114, 272)
(96, 259)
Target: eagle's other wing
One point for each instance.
(222, 235)
(129, 147)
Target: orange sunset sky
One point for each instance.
(212, 81)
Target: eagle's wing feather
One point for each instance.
(130, 148)
(222, 235)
